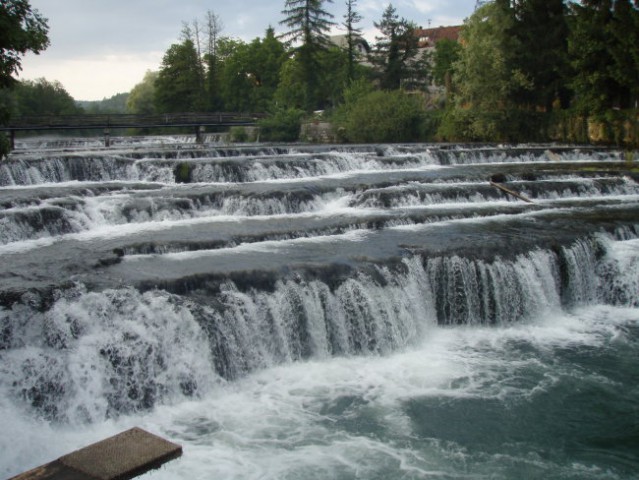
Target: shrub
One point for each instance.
(380, 117)
(282, 126)
(183, 172)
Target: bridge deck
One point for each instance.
(112, 121)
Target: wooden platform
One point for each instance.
(121, 457)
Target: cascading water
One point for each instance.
(323, 312)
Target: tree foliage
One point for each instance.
(141, 100)
(351, 19)
(374, 116)
(308, 24)
(541, 30)
(396, 52)
(41, 97)
(447, 53)
(604, 49)
(180, 83)
(22, 29)
(250, 75)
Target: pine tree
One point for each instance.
(351, 19)
(308, 24)
(395, 53)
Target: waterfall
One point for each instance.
(148, 277)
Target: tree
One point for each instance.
(22, 29)
(486, 76)
(379, 116)
(396, 52)
(351, 19)
(447, 53)
(214, 28)
(624, 33)
(308, 24)
(179, 86)
(233, 81)
(541, 30)
(142, 97)
(604, 54)
(41, 97)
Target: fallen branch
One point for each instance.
(510, 192)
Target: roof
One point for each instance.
(341, 41)
(428, 37)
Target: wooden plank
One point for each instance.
(121, 457)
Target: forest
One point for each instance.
(521, 70)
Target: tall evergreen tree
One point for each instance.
(351, 19)
(396, 51)
(308, 24)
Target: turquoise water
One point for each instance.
(557, 397)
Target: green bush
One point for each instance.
(183, 172)
(380, 117)
(282, 126)
(238, 134)
(512, 125)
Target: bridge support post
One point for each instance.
(107, 137)
(12, 139)
(199, 138)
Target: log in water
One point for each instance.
(323, 312)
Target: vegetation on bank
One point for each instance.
(523, 70)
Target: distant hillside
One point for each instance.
(115, 104)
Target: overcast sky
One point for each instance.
(100, 48)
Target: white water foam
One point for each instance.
(293, 421)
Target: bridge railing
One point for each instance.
(95, 121)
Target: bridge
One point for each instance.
(108, 122)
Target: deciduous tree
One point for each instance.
(447, 53)
(486, 75)
(142, 97)
(42, 97)
(180, 80)
(602, 47)
(22, 29)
